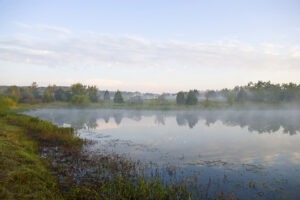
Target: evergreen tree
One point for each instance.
(106, 96)
(191, 98)
(93, 93)
(118, 97)
(180, 99)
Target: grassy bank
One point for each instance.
(42, 161)
(23, 174)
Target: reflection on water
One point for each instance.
(256, 121)
(232, 149)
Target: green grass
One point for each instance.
(122, 188)
(45, 132)
(23, 174)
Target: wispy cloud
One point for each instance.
(92, 49)
(44, 28)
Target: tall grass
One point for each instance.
(45, 132)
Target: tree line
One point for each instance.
(80, 94)
(260, 92)
(77, 94)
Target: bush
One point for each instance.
(6, 104)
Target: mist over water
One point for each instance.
(261, 121)
(254, 154)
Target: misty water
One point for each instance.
(252, 154)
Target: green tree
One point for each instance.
(106, 96)
(118, 97)
(209, 94)
(241, 96)
(191, 98)
(79, 95)
(290, 92)
(62, 95)
(49, 94)
(180, 98)
(78, 89)
(35, 91)
(14, 93)
(26, 94)
(161, 100)
(93, 93)
(230, 97)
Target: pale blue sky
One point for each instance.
(151, 46)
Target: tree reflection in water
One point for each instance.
(268, 121)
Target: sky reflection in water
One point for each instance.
(245, 145)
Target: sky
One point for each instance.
(149, 46)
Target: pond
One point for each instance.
(251, 154)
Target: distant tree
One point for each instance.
(257, 90)
(230, 97)
(78, 89)
(290, 92)
(209, 94)
(118, 97)
(137, 99)
(80, 95)
(92, 93)
(191, 98)
(49, 94)
(80, 100)
(30, 94)
(180, 98)
(161, 100)
(241, 96)
(26, 94)
(275, 93)
(60, 95)
(14, 93)
(34, 91)
(106, 96)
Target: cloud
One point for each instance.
(97, 50)
(44, 28)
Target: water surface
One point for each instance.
(252, 154)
